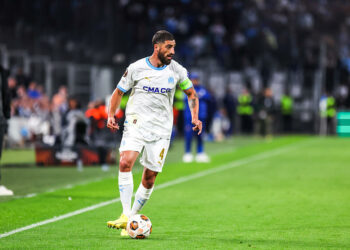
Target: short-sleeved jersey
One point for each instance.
(150, 105)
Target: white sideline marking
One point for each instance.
(31, 195)
(61, 217)
(223, 167)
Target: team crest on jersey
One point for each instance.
(171, 80)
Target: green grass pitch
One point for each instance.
(285, 193)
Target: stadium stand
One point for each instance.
(296, 47)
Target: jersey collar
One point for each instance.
(152, 67)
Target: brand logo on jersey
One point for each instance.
(156, 90)
(171, 80)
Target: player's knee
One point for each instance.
(125, 164)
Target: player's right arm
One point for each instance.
(125, 83)
(113, 106)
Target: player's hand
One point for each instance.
(197, 126)
(112, 124)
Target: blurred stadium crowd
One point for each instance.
(59, 120)
(302, 39)
(281, 33)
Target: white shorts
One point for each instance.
(153, 152)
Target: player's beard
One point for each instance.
(163, 59)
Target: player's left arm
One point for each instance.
(193, 103)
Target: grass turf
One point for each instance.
(18, 156)
(297, 199)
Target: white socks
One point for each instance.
(126, 186)
(141, 197)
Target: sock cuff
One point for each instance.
(125, 178)
(144, 192)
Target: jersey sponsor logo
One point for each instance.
(157, 90)
(171, 80)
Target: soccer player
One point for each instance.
(204, 98)
(149, 120)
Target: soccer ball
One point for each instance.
(139, 226)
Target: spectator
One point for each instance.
(22, 106)
(245, 111)
(21, 78)
(32, 91)
(59, 100)
(21, 111)
(59, 107)
(287, 112)
(12, 83)
(198, 43)
(221, 125)
(39, 121)
(44, 100)
(74, 125)
(100, 135)
(328, 113)
(265, 111)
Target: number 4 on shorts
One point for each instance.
(161, 155)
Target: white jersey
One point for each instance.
(150, 105)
